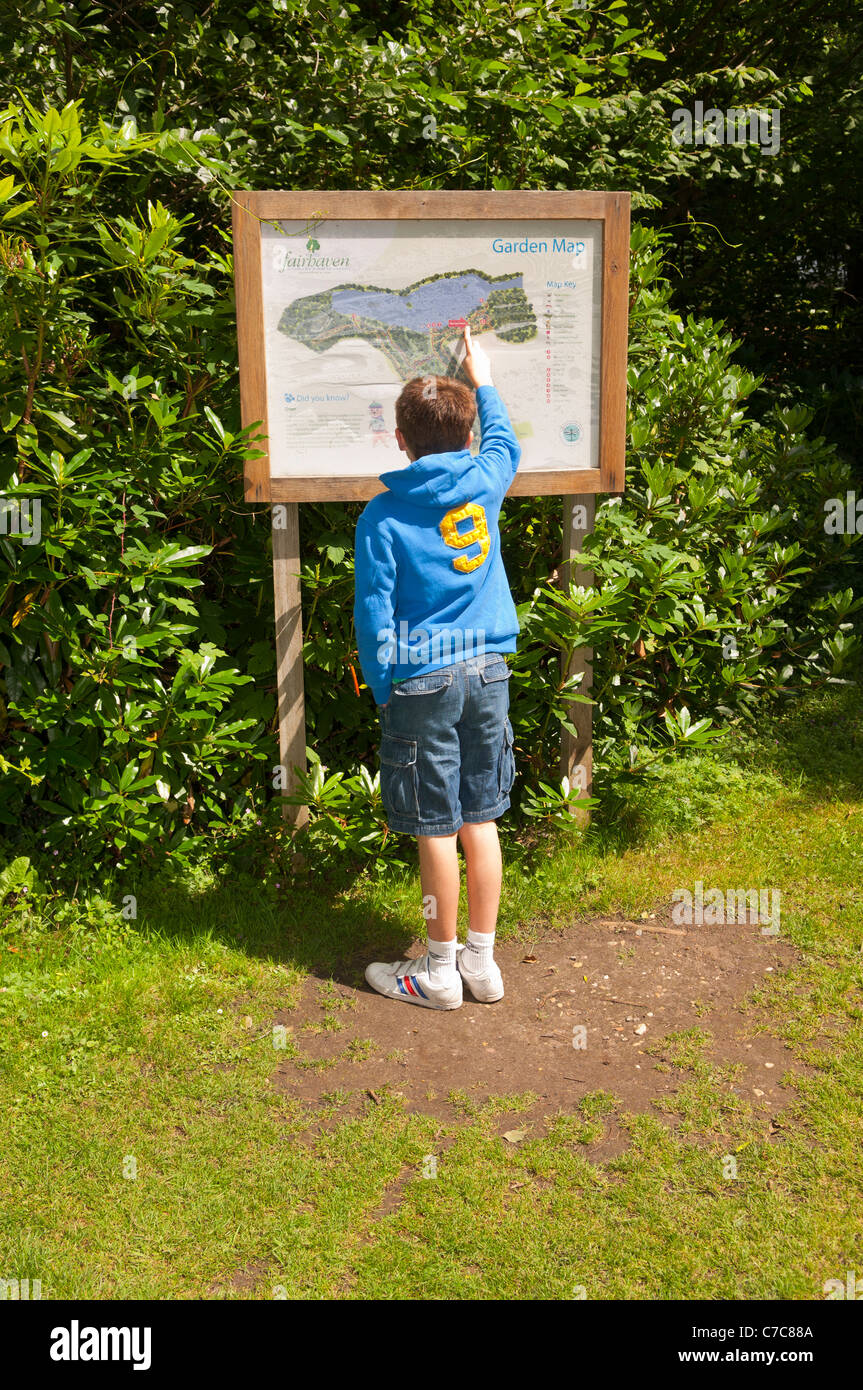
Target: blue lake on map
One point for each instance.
(439, 301)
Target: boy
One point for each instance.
(433, 616)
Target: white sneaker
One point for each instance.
(485, 985)
(410, 980)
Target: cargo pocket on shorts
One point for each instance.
(506, 764)
(399, 785)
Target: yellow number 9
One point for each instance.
(460, 540)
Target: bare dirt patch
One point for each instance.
(628, 984)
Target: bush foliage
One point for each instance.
(137, 685)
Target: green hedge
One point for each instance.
(136, 638)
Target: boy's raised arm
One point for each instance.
(499, 450)
(374, 607)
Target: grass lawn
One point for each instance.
(148, 1154)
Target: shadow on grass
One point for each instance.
(815, 746)
(816, 743)
(316, 927)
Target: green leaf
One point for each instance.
(215, 422)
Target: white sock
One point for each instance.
(442, 960)
(479, 950)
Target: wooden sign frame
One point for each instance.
(578, 487)
(252, 209)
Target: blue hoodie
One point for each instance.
(430, 586)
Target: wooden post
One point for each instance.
(576, 754)
(289, 651)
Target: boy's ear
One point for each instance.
(400, 440)
(469, 439)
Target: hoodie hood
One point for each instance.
(436, 480)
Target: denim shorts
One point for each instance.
(447, 748)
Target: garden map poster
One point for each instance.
(352, 310)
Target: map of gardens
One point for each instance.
(414, 327)
(353, 310)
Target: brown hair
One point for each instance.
(435, 415)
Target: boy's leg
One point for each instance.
(431, 980)
(420, 762)
(476, 962)
(439, 875)
(483, 870)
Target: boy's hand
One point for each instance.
(475, 362)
